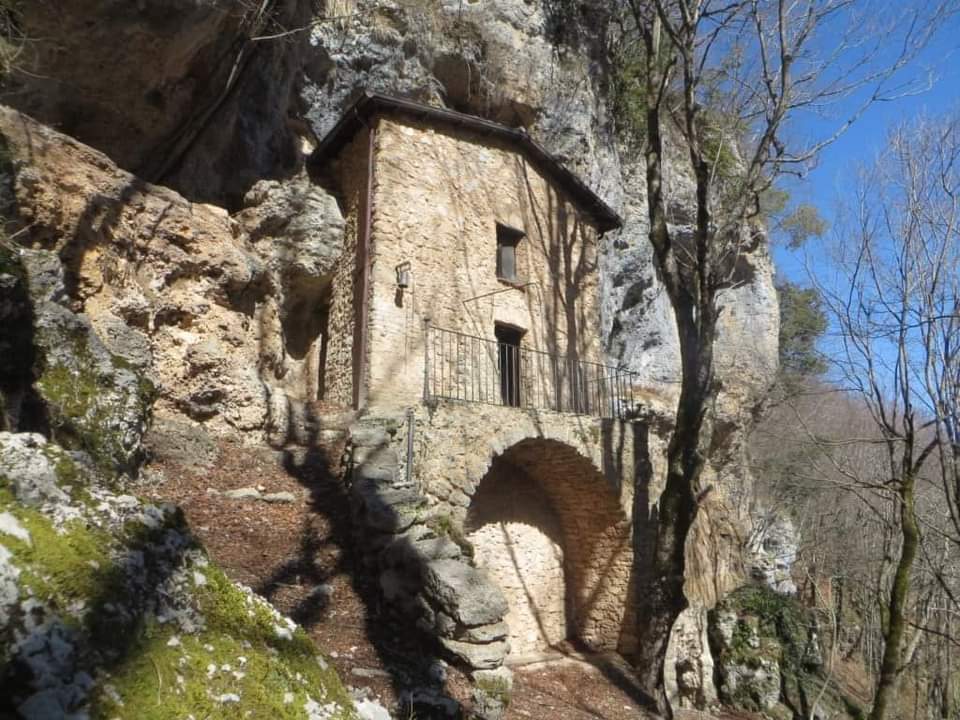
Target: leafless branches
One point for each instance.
(894, 301)
(729, 80)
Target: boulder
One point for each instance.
(463, 592)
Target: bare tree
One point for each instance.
(897, 307)
(726, 78)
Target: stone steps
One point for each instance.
(425, 576)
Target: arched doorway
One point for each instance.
(551, 533)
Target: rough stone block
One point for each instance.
(368, 436)
(485, 656)
(408, 549)
(391, 511)
(500, 676)
(486, 633)
(463, 592)
(396, 586)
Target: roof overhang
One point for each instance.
(370, 105)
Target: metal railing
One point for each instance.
(474, 369)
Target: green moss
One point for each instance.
(141, 673)
(78, 414)
(497, 689)
(776, 628)
(73, 564)
(164, 680)
(78, 419)
(444, 526)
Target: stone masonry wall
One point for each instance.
(438, 197)
(351, 173)
(518, 538)
(587, 469)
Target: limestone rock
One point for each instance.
(773, 546)
(173, 440)
(179, 293)
(767, 653)
(482, 656)
(689, 664)
(244, 493)
(9, 525)
(93, 398)
(279, 497)
(397, 585)
(9, 593)
(296, 227)
(463, 592)
(31, 471)
(368, 709)
(486, 633)
(413, 550)
(166, 87)
(492, 692)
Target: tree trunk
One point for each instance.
(693, 302)
(886, 690)
(664, 598)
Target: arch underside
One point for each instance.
(549, 530)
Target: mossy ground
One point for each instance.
(246, 661)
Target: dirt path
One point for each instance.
(298, 555)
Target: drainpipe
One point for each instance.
(411, 429)
(363, 261)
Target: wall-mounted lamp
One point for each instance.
(404, 275)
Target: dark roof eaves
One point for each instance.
(370, 103)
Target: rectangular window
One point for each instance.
(508, 361)
(507, 241)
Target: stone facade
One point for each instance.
(552, 507)
(543, 501)
(438, 196)
(338, 370)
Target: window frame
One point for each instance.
(508, 237)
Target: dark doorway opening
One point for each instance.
(508, 361)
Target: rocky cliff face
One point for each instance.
(540, 65)
(194, 282)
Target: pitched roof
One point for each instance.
(371, 104)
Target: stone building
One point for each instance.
(463, 325)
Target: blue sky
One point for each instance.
(823, 186)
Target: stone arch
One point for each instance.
(551, 532)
